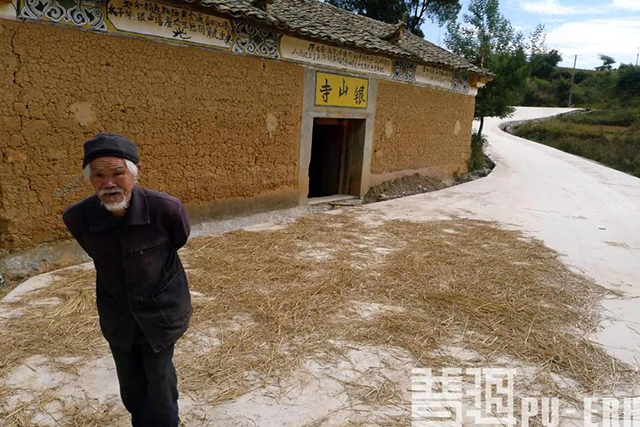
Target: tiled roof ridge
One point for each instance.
(392, 27)
(341, 40)
(297, 17)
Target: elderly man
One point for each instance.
(133, 235)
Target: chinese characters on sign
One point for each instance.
(442, 398)
(442, 78)
(317, 53)
(434, 76)
(334, 90)
(144, 17)
(485, 397)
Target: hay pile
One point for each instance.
(266, 301)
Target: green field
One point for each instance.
(610, 137)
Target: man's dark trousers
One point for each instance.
(148, 385)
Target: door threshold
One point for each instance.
(330, 199)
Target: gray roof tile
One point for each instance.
(320, 21)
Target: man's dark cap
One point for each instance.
(109, 145)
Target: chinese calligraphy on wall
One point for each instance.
(144, 17)
(442, 78)
(335, 90)
(321, 54)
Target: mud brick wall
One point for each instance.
(209, 125)
(419, 129)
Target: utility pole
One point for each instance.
(573, 75)
(637, 55)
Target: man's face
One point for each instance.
(112, 182)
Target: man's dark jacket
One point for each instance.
(139, 274)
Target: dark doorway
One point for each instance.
(337, 148)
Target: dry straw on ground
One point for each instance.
(267, 301)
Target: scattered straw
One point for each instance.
(267, 301)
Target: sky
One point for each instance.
(585, 28)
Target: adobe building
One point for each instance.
(236, 106)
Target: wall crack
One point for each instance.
(12, 41)
(5, 219)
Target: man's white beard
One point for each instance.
(118, 206)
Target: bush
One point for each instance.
(595, 89)
(561, 87)
(580, 76)
(610, 117)
(477, 159)
(628, 84)
(538, 93)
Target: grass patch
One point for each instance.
(477, 159)
(611, 117)
(610, 137)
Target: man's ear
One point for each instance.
(139, 165)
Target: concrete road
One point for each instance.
(587, 212)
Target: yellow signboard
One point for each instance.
(334, 90)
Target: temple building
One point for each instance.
(237, 106)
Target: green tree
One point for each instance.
(507, 88)
(537, 41)
(543, 64)
(393, 11)
(561, 88)
(538, 93)
(581, 75)
(628, 84)
(488, 40)
(486, 33)
(607, 63)
(599, 89)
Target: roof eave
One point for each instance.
(264, 17)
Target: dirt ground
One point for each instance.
(405, 186)
(319, 321)
(418, 184)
